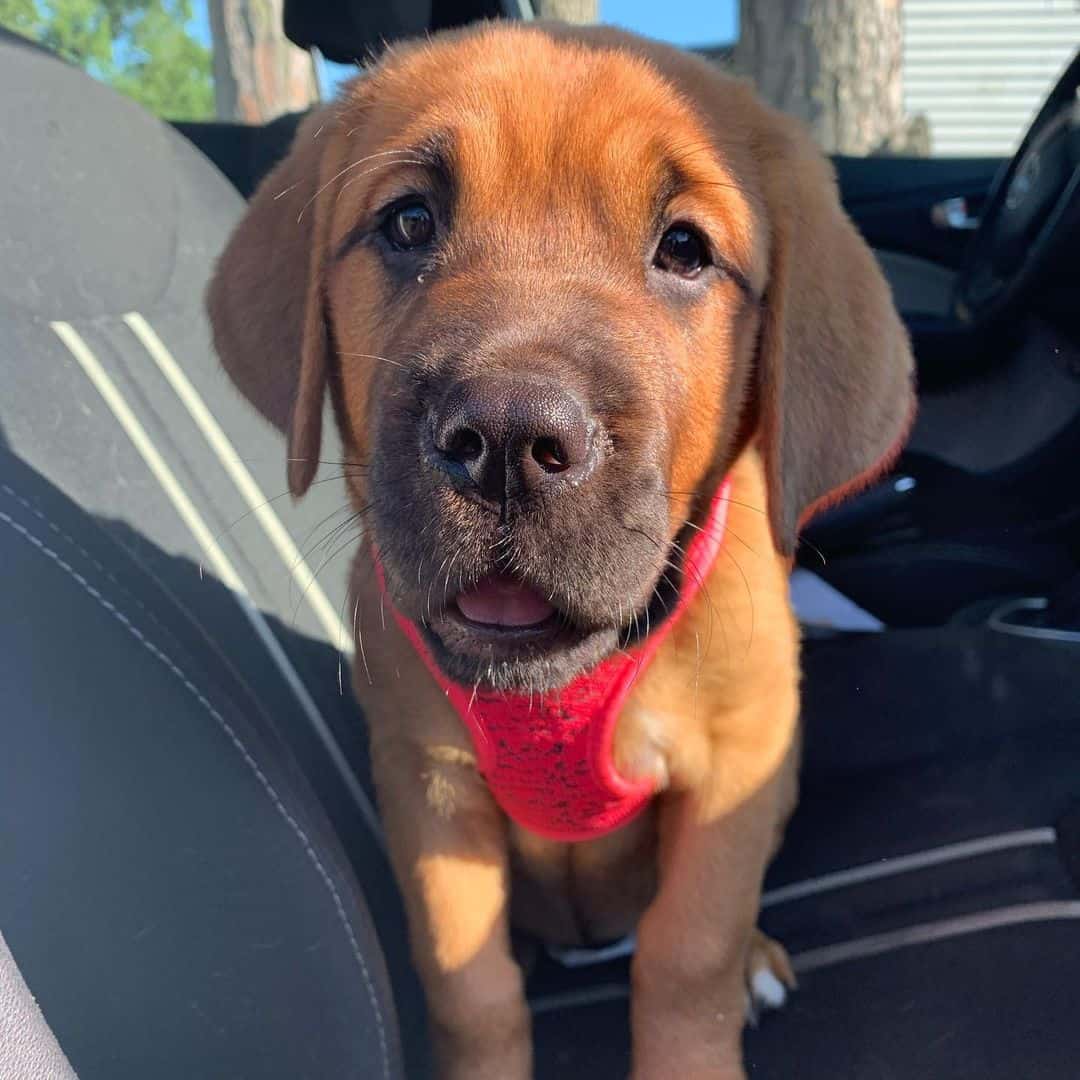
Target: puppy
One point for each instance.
(598, 337)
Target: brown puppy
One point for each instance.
(515, 227)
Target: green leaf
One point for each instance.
(141, 47)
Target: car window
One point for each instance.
(948, 78)
(920, 77)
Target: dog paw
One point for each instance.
(769, 977)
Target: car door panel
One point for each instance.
(891, 200)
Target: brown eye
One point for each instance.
(410, 226)
(681, 251)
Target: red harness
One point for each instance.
(548, 760)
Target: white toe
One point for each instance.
(767, 989)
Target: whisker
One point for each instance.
(701, 583)
(431, 584)
(749, 596)
(376, 168)
(476, 685)
(449, 571)
(281, 495)
(727, 529)
(672, 493)
(697, 670)
(332, 535)
(319, 524)
(322, 566)
(816, 550)
(373, 356)
(354, 518)
(325, 461)
(349, 168)
(359, 632)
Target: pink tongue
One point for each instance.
(501, 601)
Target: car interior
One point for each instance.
(193, 880)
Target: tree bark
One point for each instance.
(836, 64)
(258, 73)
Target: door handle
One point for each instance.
(953, 214)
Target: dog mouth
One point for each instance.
(510, 607)
(499, 628)
(499, 605)
(503, 618)
(507, 632)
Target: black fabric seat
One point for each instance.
(170, 887)
(187, 849)
(992, 1005)
(928, 888)
(210, 953)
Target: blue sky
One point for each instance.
(198, 26)
(682, 22)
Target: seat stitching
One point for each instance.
(230, 733)
(12, 493)
(105, 572)
(367, 808)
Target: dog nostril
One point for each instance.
(550, 455)
(465, 445)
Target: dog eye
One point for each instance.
(681, 251)
(410, 226)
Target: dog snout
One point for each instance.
(506, 437)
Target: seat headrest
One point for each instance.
(348, 31)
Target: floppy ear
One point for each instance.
(266, 298)
(835, 388)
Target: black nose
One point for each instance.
(506, 436)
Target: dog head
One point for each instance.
(555, 281)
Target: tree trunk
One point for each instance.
(837, 65)
(571, 11)
(258, 72)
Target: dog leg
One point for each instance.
(450, 859)
(697, 942)
(769, 974)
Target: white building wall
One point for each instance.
(979, 69)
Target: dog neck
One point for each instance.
(547, 758)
